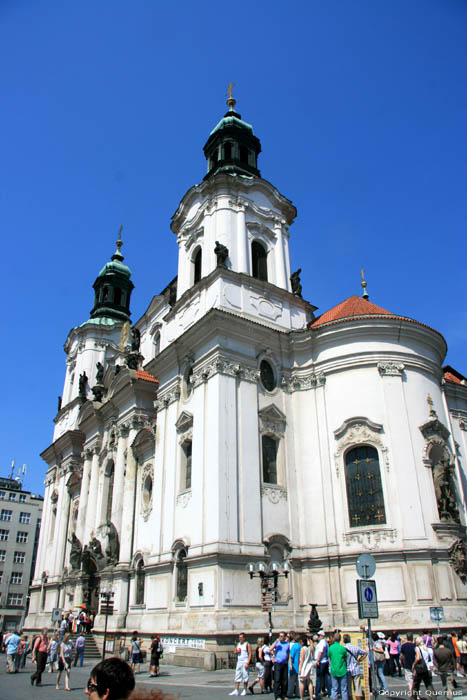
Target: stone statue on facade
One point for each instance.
(98, 392)
(222, 253)
(59, 404)
(314, 623)
(112, 547)
(172, 290)
(445, 491)
(99, 372)
(135, 339)
(75, 553)
(82, 391)
(458, 558)
(295, 283)
(96, 547)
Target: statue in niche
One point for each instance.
(458, 558)
(75, 553)
(96, 547)
(222, 253)
(445, 491)
(99, 372)
(295, 282)
(83, 381)
(112, 549)
(314, 623)
(135, 339)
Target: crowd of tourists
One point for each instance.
(329, 664)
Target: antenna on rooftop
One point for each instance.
(363, 283)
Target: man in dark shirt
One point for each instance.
(446, 664)
(407, 657)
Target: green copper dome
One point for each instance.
(113, 288)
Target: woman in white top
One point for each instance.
(306, 665)
(64, 661)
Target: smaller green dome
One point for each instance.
(113, 289)
(115, 265)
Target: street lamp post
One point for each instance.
(269, 577)
(107, 605)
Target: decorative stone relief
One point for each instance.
(390, 369)
(184, 426)
(222, 365)
(184, 498)
(458, 559)
(303, 382)
(274, 493)
(265, 307)
(356, 431)
(272, 421)
(462, 424)
(167, 397)
(370, 539)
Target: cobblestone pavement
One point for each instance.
(178, 681)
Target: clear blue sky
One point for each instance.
(361, 109)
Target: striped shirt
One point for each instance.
(352, 664)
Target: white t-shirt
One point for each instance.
(243, 656)
(323, 648)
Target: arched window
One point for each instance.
(259, 261)
(182, 575)
(157, 343)
(244, 154)
(197, 262)
(140, 576)
(227, 150)
(364, 490)
(117, 296)
(269, 453)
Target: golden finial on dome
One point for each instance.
(231, 102)
(365, 293)
(120, 242)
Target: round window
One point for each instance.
(268, 379)
(147, 489)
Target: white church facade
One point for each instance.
(231, 424)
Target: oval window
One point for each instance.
(147, 490)
(268, 379)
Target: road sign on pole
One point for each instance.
(367, 599)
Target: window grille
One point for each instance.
(364, 489)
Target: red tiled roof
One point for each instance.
(142, 374)
(449, 377)
(353, 306)
(452, 375)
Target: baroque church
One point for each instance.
(231, 425)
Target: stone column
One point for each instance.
(61, 525)
(129, 496)
(242, 240)
(92, 496)
(83, 496)
(281, 270)
(119, 479)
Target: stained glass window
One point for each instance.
(364, 490)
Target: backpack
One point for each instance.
(420, 666)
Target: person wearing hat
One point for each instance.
(380, 659)
(323, 680)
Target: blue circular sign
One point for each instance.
(368, 593)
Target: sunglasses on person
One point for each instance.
(92, 687)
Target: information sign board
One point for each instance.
(367, 599)
(437, 614)
(56, 615)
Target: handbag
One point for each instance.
(379, 656)
(420, 665)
